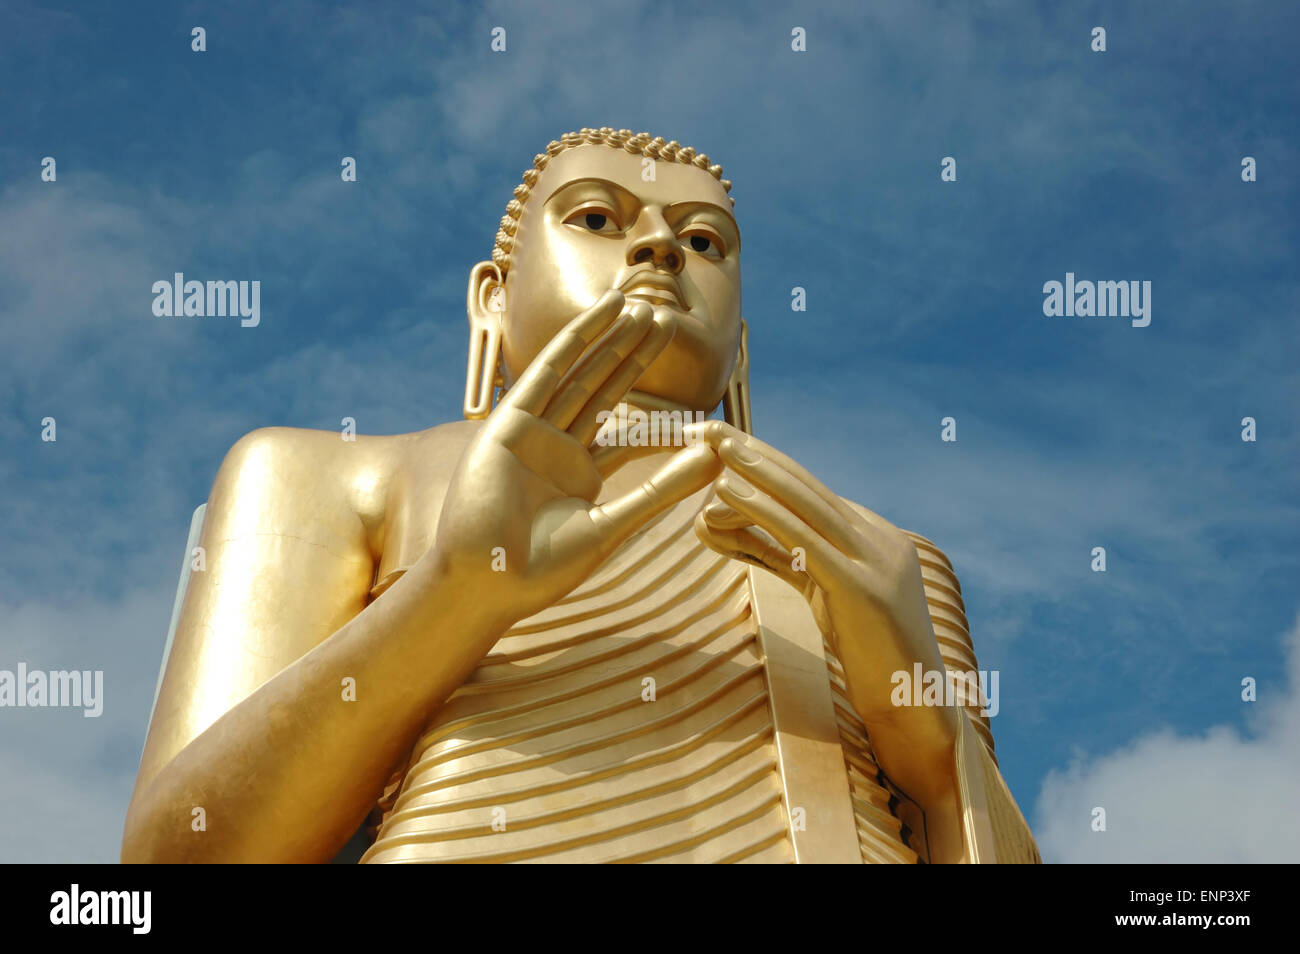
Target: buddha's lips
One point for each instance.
(655, 287)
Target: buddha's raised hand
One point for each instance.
(520, 527)
(860, 574)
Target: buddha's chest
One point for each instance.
(632, 721)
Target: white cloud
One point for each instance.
(1221, 797)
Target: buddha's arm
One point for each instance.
(252, 724)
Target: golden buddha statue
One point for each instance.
(513, 638)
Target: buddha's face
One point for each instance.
(592, 223)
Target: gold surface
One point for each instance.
(495, 592)
(554, 727)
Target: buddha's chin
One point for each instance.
(674, 386)
(690, 374)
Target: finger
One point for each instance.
(715, 432)
(598, 364)
(746, 545)
(537, 384)
(688, 471)
(825, 562)
(722, 517)
(616, 386)
(775, 480)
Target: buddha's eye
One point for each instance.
(593, 220)
(706, 245)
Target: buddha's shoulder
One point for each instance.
(339, 449)
(363, 469)
(422, 463)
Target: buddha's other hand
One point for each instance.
(860, 574)
(519, 526)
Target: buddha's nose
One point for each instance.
(655, 244)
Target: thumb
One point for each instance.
(747, 545)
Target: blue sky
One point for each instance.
(924, 301)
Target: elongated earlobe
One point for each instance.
(485, 305)
(735, 404)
